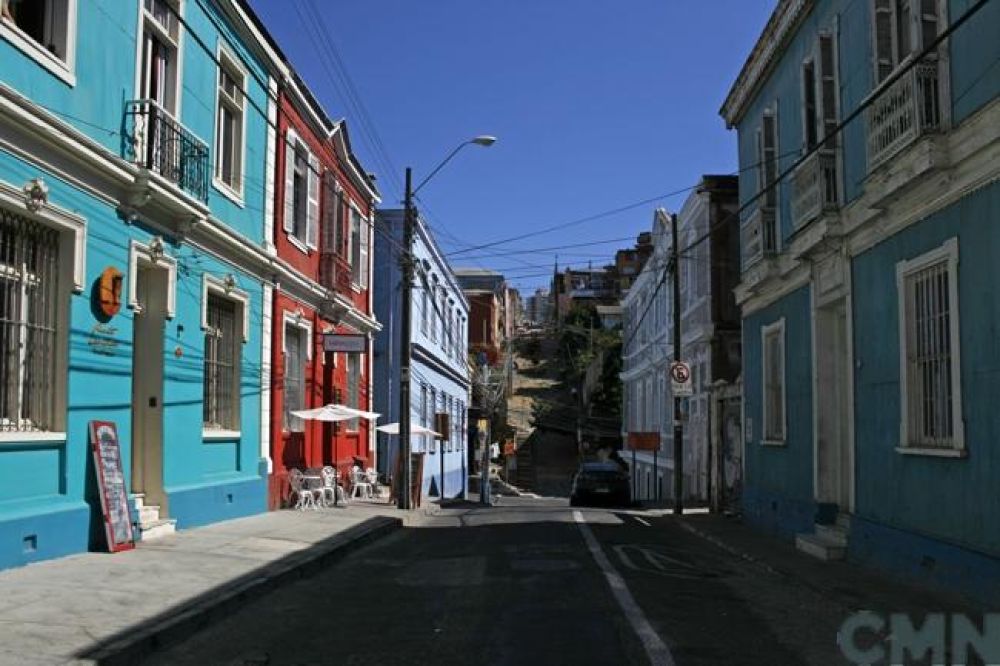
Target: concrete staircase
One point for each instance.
(151, 526)
(524, 478)
(827, 542)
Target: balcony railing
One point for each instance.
(902, 112)
(814, 187)
(335, 273)
(758, 236)
(155, 141)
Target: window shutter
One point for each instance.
(828, 88)
(328, 228)
(312, 215)
(287, 220)
(809, 103)
(882, 36)
(340, 238)
(770, 161)
(928, 22)
(365, 237)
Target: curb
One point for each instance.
(735, 552)
(188, 618)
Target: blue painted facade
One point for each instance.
(48, 499)
(931, 515)
(439, 365)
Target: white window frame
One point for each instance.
(946, 253)
(359, 267)
(914, 30)
(241, 299)
(139, 253)
(353, 425)
(144, 18)
(227, 59)
(776, 327)
(292, 144)
(300, 321)
(63, 69)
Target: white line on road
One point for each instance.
(642, 521)
(656, 649)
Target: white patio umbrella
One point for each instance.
(334, 413)
(393, 429)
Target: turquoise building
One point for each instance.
(136, 200)
(870, 293)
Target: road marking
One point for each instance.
(642, 521)
(656, 649)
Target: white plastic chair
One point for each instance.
(305, 497)
(330, 487)
(372, 477)
(359, 483)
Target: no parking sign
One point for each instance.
(680, 379)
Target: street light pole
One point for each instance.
(407, 265)
(678, 426)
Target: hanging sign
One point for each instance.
(111, 485)
(347, 343)
(680, 380)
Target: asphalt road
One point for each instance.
(518, 584)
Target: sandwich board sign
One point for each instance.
(680, 380)
(111, 485)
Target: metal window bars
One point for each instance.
(29, 255)
(221, 391)
(154, 140)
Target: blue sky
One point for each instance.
(596, 105)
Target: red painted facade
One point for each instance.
(327, 299)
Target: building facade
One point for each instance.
(486, 292)
(538, 307)
(324, 209)
(440, 384)
(868, 283)
(132, 248)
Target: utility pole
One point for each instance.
(403, 498)
(678, 427)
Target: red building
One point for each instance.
(324, 205)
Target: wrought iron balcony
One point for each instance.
(155, 141)
(814, 187)
(758, 236)
(335, 273)
(902, 112)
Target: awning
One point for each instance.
(393, 429)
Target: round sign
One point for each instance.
(680, 372)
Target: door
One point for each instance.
(833, 456)
(147, 384)
(730, 452)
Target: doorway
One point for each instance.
(834, 464)
(147, 383)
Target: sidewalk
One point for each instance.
(103, 608)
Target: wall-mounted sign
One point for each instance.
(111, 485)
(347, 343)
(644, 441)
(111, 291)
(103, 339)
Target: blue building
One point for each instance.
(136, 190)
(869, 290)
(440, 376)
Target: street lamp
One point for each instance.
(403, 498)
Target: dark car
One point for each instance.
(600, 483)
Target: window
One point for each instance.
(767, 159)
(901, 28)
(331, 231)
(809, 109)
(450, 436)
(301, 211)
(353, 386)
(424, 306)
(44, 29)
(359, 250)
(433, 315)
(159, 56)
(423, 413)
(773, 362)
(221, 397)
(432, 447)
(29, 305)
(462, 427)
(828, 90)
(929, 350)
(296, 349)
(229, 124)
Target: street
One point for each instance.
(517, 584)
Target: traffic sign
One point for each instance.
(680, 379)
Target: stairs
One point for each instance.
(151, 526)
(525, 476)
(827, 542)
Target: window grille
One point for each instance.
(222, 361)
(28, 320)
(294, 377)
(930, 408)
(774, 383)
(353, 386)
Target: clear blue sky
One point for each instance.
(596, 104)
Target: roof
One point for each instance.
(780, 27)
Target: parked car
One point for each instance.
(600, 483)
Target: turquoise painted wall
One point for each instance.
(778, 481)
(975, 59)
(951, 499)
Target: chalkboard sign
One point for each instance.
(111, 485)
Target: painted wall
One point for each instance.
(975, 51)
(955, 500)
(778, 491)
